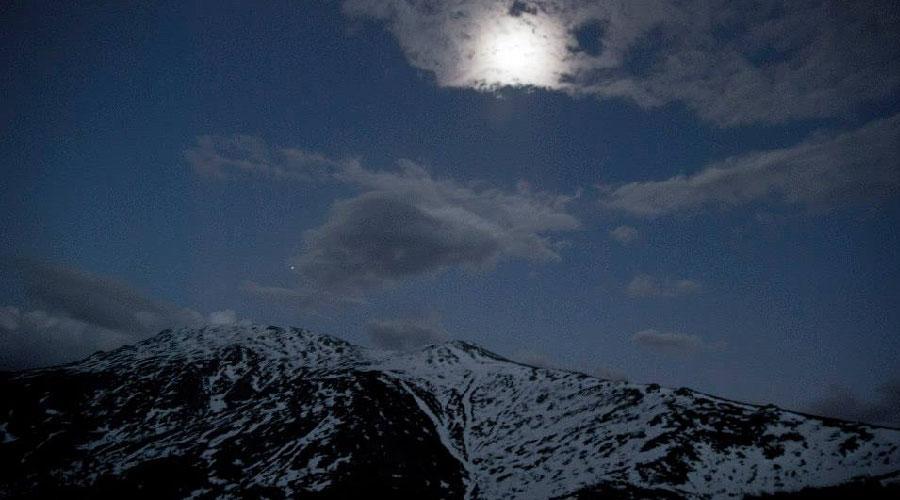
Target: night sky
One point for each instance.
(698, 194)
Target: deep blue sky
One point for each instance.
(100, 104)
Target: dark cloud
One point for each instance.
(99, 301)
(733, 63)
(406, 334)
(407, 224)
(644, 285)
(74, 313)
(843, 403)
(674, 343)
(379, 238)
(817, 173)
(35, 338)
(404, 224)
(518, 8)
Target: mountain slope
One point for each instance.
(271, 412)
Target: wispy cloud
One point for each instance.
(732, 63)
(226, 317)
(405, 223)
(243, 155)
(644, 285)
(817, 173)
(674, 343)
(625, 235)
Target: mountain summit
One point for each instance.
(268, 412)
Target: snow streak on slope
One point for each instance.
(538, 433)
(284, 412)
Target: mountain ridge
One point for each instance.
(285, 412)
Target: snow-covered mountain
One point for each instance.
(266, 412)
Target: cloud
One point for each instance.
(472, 43)
(625, 235)
(38, 338)
(100, 301)
(644, 285)
(305, 299)
(404, 224)
(843, 403)
(226, 318)
(674, 343)
(76, 313)
(817, 173)
(731, 63)
(406, 334)
(272, 292)
(243, 155)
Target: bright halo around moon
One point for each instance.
(514, 52)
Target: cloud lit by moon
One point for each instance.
(515, 51)
(481, 45)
